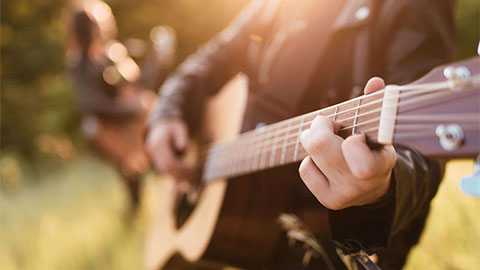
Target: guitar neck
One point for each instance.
(439, 115)
(279, 144)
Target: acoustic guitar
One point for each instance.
(121, 142)
(229, 218)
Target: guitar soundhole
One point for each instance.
(186, 201)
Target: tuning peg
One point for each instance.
(471, 184)
(458, 77)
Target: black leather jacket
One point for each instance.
(302, 56)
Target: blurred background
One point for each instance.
(61, 206)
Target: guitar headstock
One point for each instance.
(439, 114)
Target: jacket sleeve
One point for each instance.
(415, 181)
(205, 72)
(415, 37)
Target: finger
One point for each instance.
(324, 124)
(373, 85)
(167, 160)
(386, 153)
(363, 162)
(180, 137)
(324, 147)
(314, 179)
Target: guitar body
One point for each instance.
(121, 142)
(192, 239)
(233, 221)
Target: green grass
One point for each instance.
(75, 218)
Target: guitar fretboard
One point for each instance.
(279, 144)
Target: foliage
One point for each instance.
(38, 107)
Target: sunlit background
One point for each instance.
(61, 207)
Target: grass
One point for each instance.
(75, 218)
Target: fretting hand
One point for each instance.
(343, 173)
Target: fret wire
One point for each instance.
(226, 154)
(249, 153)
(355, 119)
(282, 160)
(301, 154)
(261, 148)
(238, 155)
(335, 113)
(267, 144)
(263, 154)
(298, 139)
(274, 146)
(231, 158)
(318, 112)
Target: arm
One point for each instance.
(412, 38)
(370, 194)
(180, 103)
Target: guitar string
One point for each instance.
(261, 153)
(288, 146)
(415, 100)
(265, 150)
(402, 126)
(239, 170)
(268, 133)
(400, 133)
(427, 86)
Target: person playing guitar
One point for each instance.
(113, 92)
(300, 56)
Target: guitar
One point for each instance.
(234, 221)
(121, 142)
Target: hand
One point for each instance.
(343, 173)
(164, 140)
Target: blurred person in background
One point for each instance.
(113, 91)
(300, 56)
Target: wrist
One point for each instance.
(384, 196)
